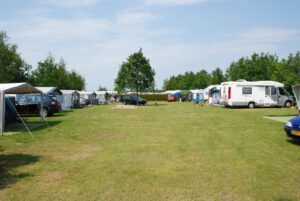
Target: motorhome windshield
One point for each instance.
(283, 92)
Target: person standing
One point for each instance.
(197, 100)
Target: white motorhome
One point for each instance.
(244, 93)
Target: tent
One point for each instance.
(70, 99)
(52, 91)
(102, 96)
(296, 90)
(88, 95)
(12, 88)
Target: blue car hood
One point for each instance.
(295, 121)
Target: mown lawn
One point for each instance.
(173, 151)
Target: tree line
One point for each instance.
(257, 67)
(49, 72)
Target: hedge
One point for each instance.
(154, 97)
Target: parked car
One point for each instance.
(292, 128)
(30, 104)
(133, 100)
(171, 98)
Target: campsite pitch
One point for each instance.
(171, 151)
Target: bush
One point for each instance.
(154, 97)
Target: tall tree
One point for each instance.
(257, 67)
(50, 73)
(217, 76)
(135, 74)
(12, 67)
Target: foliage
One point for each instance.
(101, 88)
(12, 67)
(50, 73)
(188, 81)
(257, 67)
(135, 74)
(154, 97)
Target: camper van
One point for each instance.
(244, 93)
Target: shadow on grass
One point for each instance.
(33, 126)
(294, 141)
(287, 115)
(11, 161)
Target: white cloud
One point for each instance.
(269, 34)
(96, 47)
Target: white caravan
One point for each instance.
(244, 93)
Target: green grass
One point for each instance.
(169, 152)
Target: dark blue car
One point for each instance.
(292, 128)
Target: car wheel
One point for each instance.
(44, 112)
(251, 105)
(288, 104)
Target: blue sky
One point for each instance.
(95, 36)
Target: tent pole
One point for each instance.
(2, 112)
(42, 107)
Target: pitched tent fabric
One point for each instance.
(185, 92)
(88, 95)
(12, 88)
(52, 91)
(296, 90)
(70, 99)
(101, 96)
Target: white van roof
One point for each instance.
(253, 83)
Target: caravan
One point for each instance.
(244, 93)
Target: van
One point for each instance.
(252, 94)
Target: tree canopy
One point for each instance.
(135, 74)
(262, 66)
(12, 67)
(50, 73)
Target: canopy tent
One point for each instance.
(185, 92)
(175, 93)
(12, 88)
(88, 95)
(102, 96)
(296, 90)
(70, 99)
(52, 91)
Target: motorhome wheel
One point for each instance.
(251, 105)
(288, 104)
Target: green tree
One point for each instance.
(75, 81)
(50, 73)
(257, 67)
(12, 67)
(202, 79)
(217, 76)
(101, 88)
(135, 74)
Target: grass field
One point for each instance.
(173, 151)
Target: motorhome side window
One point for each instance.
(273, 91)
(247, 90)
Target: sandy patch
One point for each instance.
(55, 176)
(124, 107)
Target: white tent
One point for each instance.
(70, 99)
(12, 88)
(88, 95)
(52, 91)
(101, 96)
